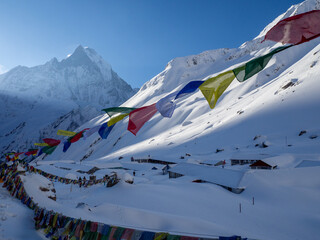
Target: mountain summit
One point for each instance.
(83, 77)
(33, 98)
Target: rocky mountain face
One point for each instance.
(72, 90)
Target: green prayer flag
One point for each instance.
(173, 237)
(216, 86)
(114, 110)
(49, 149)
(255, 65)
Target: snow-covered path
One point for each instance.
(16, 219)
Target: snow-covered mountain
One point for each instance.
(259, 106)
(74, 89)
(273, 116)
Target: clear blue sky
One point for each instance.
(137, 37)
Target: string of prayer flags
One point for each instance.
(216, 86)
(189, 88)
(255, 65)
(116, 119)
(51, 141)
(58, 226)
(296, 29)
(105, 130)
(66, 133)
(166, 105)
(138, 117)
(115, 110)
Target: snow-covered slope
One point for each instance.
(274, 116)
(260, 106)
(75, 90)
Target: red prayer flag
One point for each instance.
(139, 116)
(32, 152)
(51, 142)
(76, 137)
(296, 29)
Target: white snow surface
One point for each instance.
(262, 109)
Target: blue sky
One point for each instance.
(137, 37)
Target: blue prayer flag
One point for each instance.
(189, 88)
(105, 130)
(66, 145)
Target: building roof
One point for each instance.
(260, 163)
(249, 156)
(221, 176)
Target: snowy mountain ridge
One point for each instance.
(193, 121)
(78, 87)
(83, 77)
(273, 116)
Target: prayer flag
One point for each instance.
(161, 236)
(116, 119)
(166, 105)
(255, 65)
(49, 149)
(66, 133)
(91, 131)
(41, 144)
(114, 110)
(138, 117)
(147, 236)
(127, 234)
(31, 152)
(51, 141)
(296, 29)
(105, 130)
(216, 86)
(189, 88)
(66, 145)
(76, 137)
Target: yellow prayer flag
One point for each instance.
(161, 236)
(66, 133)
(216, 86)
(116, 119)
(42, 144)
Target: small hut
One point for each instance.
(262, 165)
(247, 158)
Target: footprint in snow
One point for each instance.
(313, 64)
(186, 123)
(210, 126)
